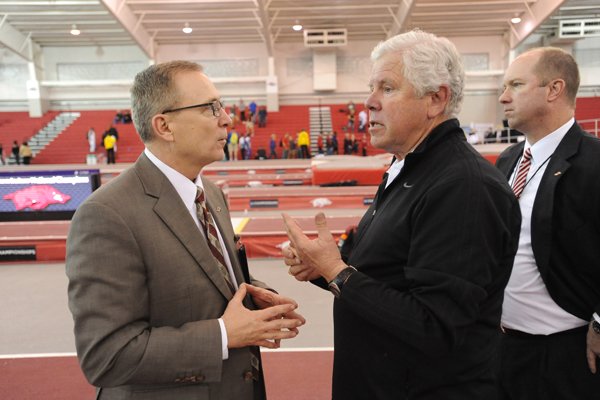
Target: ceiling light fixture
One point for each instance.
(516, 19)
(297, 26)
(187, 28)
(74, 30)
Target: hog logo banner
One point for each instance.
(37, 197)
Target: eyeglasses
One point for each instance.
(215, 105)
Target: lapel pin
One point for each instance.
(218, 209)
(557, 173)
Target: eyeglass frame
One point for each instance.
(215, 111)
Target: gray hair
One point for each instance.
(153, 92)
(428, 62)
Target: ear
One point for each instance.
(161, 127)
(438, 101)
(556, 88)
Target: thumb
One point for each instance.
(322, 229)
(240, 294)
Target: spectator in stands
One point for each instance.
(118, 117)
(91, 138)
(15, 152)
(285, 146)
(334, 142)
(329, 143)
(551, 304)
(232, 145)
(354, 143)
(157, 286)
(490, 136)
(233, 115)
(249, 127)
(304, 143)
(273, 146)
(362, 120)
(252, 108)
(262, 116)
(127, 117)
(242, 107)
(347, 144)
(364, 143)
(25, 153)
(293, 147)
(320, 143)
(110, 142)
(417, 307)
(2, 155)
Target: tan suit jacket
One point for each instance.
(146, 293)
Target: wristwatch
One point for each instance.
(336, 284)
(596, 326)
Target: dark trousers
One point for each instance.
(110, 156)
(552, 367)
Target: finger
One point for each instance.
(266, 343)
(280, 326)
(293, 230)
(591, 359)
(239, 294)
(322, 229)
(295, 315)
(275, 312)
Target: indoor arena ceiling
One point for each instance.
(152, 23)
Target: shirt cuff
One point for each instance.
(223, 339)
(596, 317)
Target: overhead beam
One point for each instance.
(401, 17)
(21, 45)
(265, 30)
(129, 21)
(536, 14)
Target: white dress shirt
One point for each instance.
(187, 191)
(528, 306)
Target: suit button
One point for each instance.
(248, 376)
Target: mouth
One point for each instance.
(375, 124)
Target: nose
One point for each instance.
(372, 103)
(504, 97)
(224, 118)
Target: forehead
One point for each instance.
(522, 67)
(194, 86)
(387, 68)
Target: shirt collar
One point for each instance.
(184, 187)
(545, 147)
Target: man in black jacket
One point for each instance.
(417, 308)
(554, 289)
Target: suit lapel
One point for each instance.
(543, 207)
(171, 210)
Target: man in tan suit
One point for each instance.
(152, 295)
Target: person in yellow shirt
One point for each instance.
(25, 153)
(304, 143)
(109, 146)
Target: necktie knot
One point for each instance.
(527, 154)
(199, 196)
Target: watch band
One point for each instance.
(337, 283)
(596, 326)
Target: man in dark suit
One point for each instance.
(156, 287)
(418, 305)
(554, 289)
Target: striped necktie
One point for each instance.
(521, 178)
(212, 237)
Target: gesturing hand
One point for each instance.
(322, 253)
(264, 327)
(297, 269)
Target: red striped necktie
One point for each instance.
(212, 237)
(521, 178)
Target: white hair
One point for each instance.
(428, 62)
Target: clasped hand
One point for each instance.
(275, 319)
